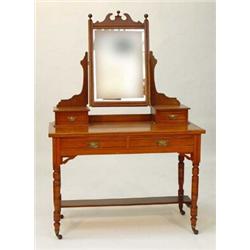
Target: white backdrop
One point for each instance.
(182, 37)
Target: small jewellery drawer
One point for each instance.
(169, 143)
(71, 118)
(171, 117)
(92, 144)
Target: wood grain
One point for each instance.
(125, 202)
(125, 128)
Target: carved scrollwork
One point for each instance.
(118, 21)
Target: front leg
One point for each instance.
(195, 182)
(57, 186)
(57, 200)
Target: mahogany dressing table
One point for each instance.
(122, 76)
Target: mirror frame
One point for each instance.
(118, 23)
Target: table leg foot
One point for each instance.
(182, 211)
(195, 231)
(61, 216)
(59, 236)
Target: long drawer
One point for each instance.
(126, 144)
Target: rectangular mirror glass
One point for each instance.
(119, 65)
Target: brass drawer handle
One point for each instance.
(71, 118)
(93, 144)
(162, 143)
(172, 117)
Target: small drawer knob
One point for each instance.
(162, 143)
(71, 118)
(93, 144)
(172, 117)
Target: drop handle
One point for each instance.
(172, 117)
(71, 118)
(162, 143)
(93, 144)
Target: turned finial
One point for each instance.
(118, 12)
(89, 15)
(146, 16)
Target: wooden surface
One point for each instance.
(71, 108)
(125, 201)
(109, 128)
(170, 107)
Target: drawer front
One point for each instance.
(126, 144)
(171, 117)
(92, 144)
(163, 143)
(71, 118)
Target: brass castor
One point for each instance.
(59, 236)
(182, 212)
(195, 230)
(61, 216)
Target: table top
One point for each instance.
(113, 128)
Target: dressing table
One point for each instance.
(118, 71)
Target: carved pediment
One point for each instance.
(119, 21)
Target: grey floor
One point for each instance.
(138, 227)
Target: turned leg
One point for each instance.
(57, 200)
(181, 182)
(194, 198)
(57, 186)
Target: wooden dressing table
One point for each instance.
(165, 130)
